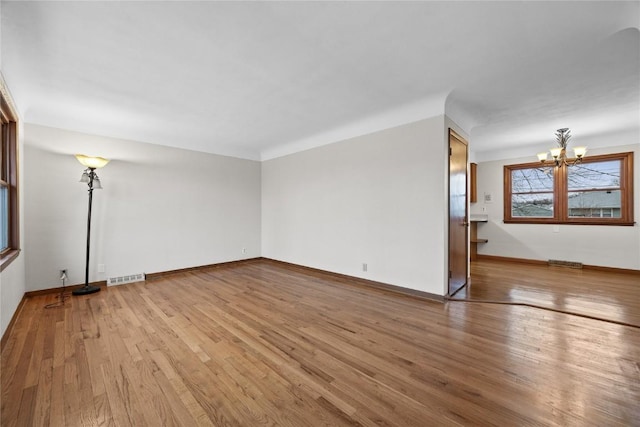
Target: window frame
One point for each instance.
(9, 175)
(561, 194)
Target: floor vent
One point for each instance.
(121, 280)
(570, 264)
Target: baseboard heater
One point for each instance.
(121, 280)
(560, 263)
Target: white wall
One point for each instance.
(12, 288)
(608, 246)
(375, 199)
(161, 208)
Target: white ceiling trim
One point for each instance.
(408, 113)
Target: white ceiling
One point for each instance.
(262, 79)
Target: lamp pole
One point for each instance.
(91, 178)
(87, 289)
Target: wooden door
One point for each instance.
(458, 225)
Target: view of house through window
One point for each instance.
(596, 191)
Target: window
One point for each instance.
(597, 191)
(9, 236)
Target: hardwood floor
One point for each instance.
(265, 344)
(604, 295)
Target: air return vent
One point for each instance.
(121, 280)
(569, 264)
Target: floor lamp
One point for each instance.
(90, 177)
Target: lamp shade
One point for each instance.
(580, 151)
(97, 185)
(555, 152)
(92, 162)
(542, 156)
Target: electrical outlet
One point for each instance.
(100, 268)
(364, 266)
(244, 250)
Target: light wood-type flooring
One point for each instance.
(606, 295)
(264, 344)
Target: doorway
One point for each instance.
(458, 224)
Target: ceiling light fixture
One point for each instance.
(559, 154)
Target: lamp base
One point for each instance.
(85, 290)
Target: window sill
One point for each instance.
(577, 222)
(8, 257)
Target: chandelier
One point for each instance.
(559, 154)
